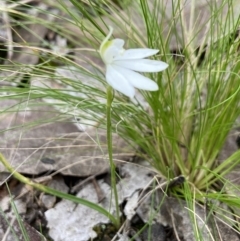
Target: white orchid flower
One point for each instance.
(121, 66)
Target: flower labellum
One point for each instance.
(122, 66)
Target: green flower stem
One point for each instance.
(56, 193)
(109, 143)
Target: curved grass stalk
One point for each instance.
(56, 193)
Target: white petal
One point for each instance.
(119, 82)
(113, 48)
(137, 54)
(142, 65)
(137, 80)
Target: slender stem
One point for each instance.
(56, 193)
(109, 143)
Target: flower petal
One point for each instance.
(137, 80)
(119, 82)
(142, 65)
(113, 49)
(136, 54)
